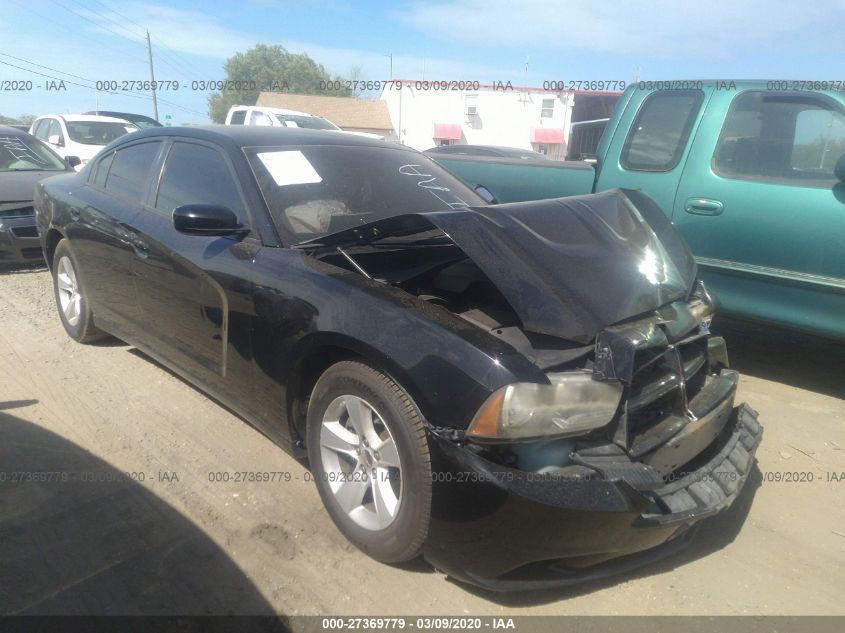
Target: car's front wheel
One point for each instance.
(368, 451)
(71, 300)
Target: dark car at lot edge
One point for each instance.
(24, 160)
(525, 394)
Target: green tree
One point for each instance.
(24, 119)
(270, 69)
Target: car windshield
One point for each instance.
(312, 191)
(97, 132)
(309, 122)
(24, 153)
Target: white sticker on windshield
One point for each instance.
(289, 168)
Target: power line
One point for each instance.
(128, 93)
(75, 32)
(175, 57)
(87, 19)
(26, 61)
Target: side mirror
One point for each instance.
(839, 168)
(73, 161)
(55, 139)
(206, 219)
(485, 193)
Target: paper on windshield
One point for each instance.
(289, 168)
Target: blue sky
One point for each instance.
(83, 41)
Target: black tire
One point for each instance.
(83, 329)
(401, 540)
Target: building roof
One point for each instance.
(345, 112)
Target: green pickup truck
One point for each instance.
(752, 173)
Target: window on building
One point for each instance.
(548, 109)
(543, 149)
(780, 136)
(444, 141)
(661, 130)
(471, 105)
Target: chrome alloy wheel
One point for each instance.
(361, 462)
(68, 286)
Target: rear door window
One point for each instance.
(101, 171)
(130, 170)
(661, 130)
(238, 117)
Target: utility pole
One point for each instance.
(152, 77)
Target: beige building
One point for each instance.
(427, 114)
(351, 115)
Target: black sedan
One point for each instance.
(24, 160)
(525, 394)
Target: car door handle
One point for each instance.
(141, 249)
(704, 206)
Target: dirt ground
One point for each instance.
(176, 542)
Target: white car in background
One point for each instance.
(79, 135)
(279, 117)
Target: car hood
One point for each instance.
(569, 267)
(19, 186)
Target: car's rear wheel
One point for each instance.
(71, 300)
(369, 455)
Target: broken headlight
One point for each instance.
(574, 403)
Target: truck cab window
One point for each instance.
(782, 137)
(661, 130)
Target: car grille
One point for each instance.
(664, 384)
(676, 379)
(17, 212)
(24, 231)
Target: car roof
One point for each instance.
(123, 115)
(236, 136)
(85, 117)
(275, 110)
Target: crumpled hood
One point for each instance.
(569, 267)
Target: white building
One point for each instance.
(429, 113)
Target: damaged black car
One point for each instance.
(527, 394)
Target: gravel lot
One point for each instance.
(177, 542)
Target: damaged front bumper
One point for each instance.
(19, 240)
(506, 529)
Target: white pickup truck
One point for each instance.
(279, 117)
